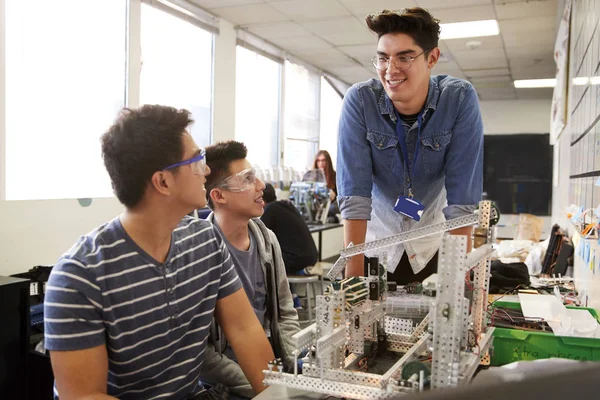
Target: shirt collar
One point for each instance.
(387, 107)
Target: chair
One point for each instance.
(309, 281)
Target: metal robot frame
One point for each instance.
(348, 316)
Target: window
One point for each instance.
(331, 107)
(301, 116)
(65, 83)
(257, 106)
(177, 67)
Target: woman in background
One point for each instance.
(323, 161)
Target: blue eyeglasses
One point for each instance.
(198, 163)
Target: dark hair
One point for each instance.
(219, 156)
(415, 22)
(140, 142)
(329, 171)
(269, 193)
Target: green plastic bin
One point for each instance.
(515, 345)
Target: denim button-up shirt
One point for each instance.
(371, 174)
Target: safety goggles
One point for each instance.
(198, 163)
(240, 182)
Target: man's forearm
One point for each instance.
(97, 396)
(355, 231)
(253, 352)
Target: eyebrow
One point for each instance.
(400, 53)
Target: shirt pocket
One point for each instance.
(384, 150)
(434, 152)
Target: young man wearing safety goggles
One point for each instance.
(235, 196)
(128, 308)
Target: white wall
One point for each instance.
(516, 116)
(38, 232)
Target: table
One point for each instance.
(319, 228)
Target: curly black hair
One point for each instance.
(416, 22)
(140, 142)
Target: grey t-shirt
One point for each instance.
(249, 269)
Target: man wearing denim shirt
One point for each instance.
(441, 164)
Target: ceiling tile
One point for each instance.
(464, 14)
(480, 59)
(498, 83)
(489, 72)
(532, 51)
(353, 74)
(446, 54)
(305, 10)
(495, 94)
(278, 30)
(527, 25)
(435, 4)
(302, 44)
(330, 59)
(538, 71)
(361, 52)
(342, 31)
(446, 67)
(362, 8)
(525, 9)
(487, 42)
(224, 3)
(482, 63)
(535, 93)
(252, 14)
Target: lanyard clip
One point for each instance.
(410, 193)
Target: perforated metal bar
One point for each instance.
(476, 256)
(372, 313)
(327, 344)
(413, 234)
(337, 268)
(448, 324)
(420, 329)
(414, 351)
(398, 326)
(350, 360)
(348, 390)
(340, 375)
(470, 361)
(482, 273)
(305, 337)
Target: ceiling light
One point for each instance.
(595, 80)
(459, 30)
(580, 81)
(535, 83)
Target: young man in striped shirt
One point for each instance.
(235, 196)
(128, 308)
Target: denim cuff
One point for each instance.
(355, 207)
(458, 210)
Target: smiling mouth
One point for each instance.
(395, 82)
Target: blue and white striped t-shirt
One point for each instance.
(153, 318)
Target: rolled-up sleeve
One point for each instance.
(354, 165)
(464, 160)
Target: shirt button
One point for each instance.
(379, 144)
(437, 145)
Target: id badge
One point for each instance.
(409, 207)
